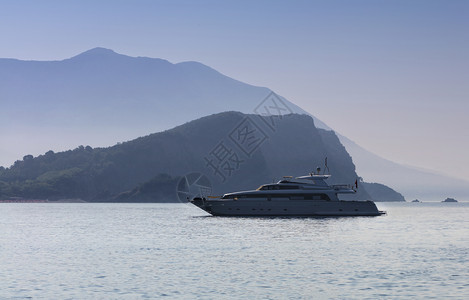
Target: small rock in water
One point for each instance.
(450, 200)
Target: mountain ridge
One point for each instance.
(108, 174)
(100, 97)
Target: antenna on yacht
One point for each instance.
(326, 167)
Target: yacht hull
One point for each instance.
(221, 207)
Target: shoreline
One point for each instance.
(43, 201)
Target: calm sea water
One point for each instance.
(134, 251)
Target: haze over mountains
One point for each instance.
(99, 98)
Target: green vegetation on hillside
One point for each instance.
(147, 169)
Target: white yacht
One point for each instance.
(303, 196)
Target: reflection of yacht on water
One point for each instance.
(303, 196)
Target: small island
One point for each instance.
(416, 200)
(450, 200)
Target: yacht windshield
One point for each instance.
(278, 187)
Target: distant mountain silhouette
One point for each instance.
(410, 181)
(382, 192)
(233, 150)
(100, 98)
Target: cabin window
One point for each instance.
(257, 196)
(289, 187)
(278, 187)
(280, 198)
(264, 187)
(235, 197)
(317, 197)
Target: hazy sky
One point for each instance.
(391, 75)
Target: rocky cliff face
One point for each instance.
(233, 151)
